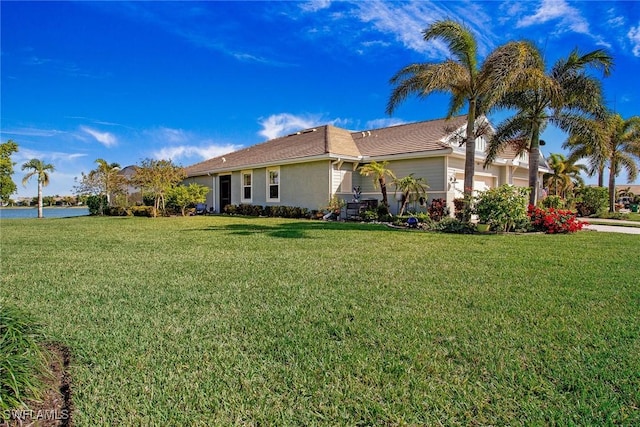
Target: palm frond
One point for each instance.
(575, 63)
(459, 40)
(424, 79)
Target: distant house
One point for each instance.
(309, 167)
(133, 193)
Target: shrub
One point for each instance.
(458, 209)
(229, 209)
(270, 211)
(453, 225)
(553, 221)
(117, 211)
(555, 202)
(438, 209)
(146, 211)
(249, 210)
(22, 361)
(592, 201)
(423, 220)
(504, 208)
(370, 215)
(97, 204)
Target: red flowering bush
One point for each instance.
(553, 221)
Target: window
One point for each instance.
(273, 184)
(247, 178)
(481, 144)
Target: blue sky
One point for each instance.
(124, 81)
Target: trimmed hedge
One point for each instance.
(269, 211)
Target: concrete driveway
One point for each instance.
(613, 228)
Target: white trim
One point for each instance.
(243, 186)
(268, 182)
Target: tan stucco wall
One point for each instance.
(302, 185)
(431, 169)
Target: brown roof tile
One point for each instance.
(407, 138)
(307, 143)
(330, 140)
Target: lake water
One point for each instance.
(15, 213)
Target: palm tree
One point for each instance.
(39, 169)
(590, 145)
(565, 98)
(623, 137)
(510, 66)
(411, 188)
(379, 172)
(565, 174)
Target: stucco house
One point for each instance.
(309, 167)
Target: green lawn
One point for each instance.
(222, 321)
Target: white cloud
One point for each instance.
(315, 5)
(179, 144)
(282, 124)
(105, 138)
(634, 38)
(169, 135)
(32, 132)
(383, 123)
(25, 154)
(190, 151)
(550, 10)
(405, 22)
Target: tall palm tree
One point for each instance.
(590, 145)
(379, 172)
(411, 188)
(41, 171)
(623, 137)
(479, 86)
(565, 98)
(564, 175)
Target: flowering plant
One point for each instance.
(553, 221)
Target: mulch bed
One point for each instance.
(54, 408)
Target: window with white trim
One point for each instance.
(481, 144)
(247, 180)
(273, 184)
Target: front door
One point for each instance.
(225, 191)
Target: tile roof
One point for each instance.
(329, 140)
(408, 138)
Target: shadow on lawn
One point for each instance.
(293, 230)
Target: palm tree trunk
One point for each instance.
(534, 163)
(470, 158)
(40, 199)
(383, 189)
(612, 186)
(405, 200)
(601, 176)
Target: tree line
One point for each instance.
(155, 181)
